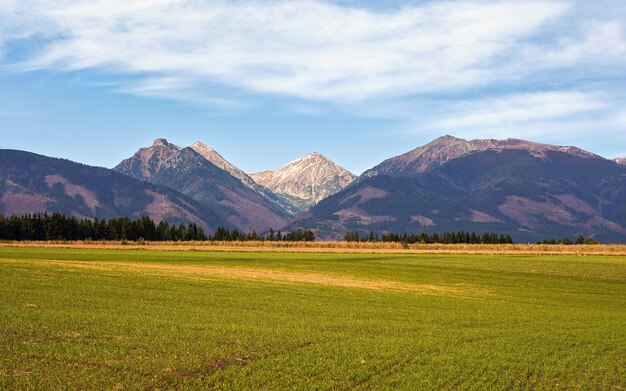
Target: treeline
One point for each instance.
(459, 237)
(57, 226)
(299, 235)
(568, 242)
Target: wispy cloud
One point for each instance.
(583, 117)
(309, 49)
(217, 52)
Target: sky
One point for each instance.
(264, 82)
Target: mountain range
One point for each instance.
(529, 190)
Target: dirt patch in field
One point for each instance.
(265, 275)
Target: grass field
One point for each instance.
(86, 318)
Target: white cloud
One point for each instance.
(597, 44)
(306, 49)
(368, 62)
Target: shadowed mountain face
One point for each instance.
(192, 174)
(305, 182)
(31, 183)
(532, 191)
(214, 157)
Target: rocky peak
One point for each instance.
(201, 147)
(621, 161)
(147, 162)
(445, 140)
(161, 142)
(305, 181)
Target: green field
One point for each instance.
(140, 319)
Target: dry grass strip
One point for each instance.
(342, 247)
(207, 273)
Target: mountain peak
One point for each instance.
(160, 142)
(305, 181)
(200, 146)
(148, 161)
(621, 161)
(313, 156)
(213, 156)
(446, 139)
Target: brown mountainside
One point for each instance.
(31, 183)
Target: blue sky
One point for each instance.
(265, 82)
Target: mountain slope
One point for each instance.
(446, 148)
(304, 182)
(31, 183)
(187, 171)
(214, 157)
(621, 161)
(529, 190)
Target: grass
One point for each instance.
(140, 318)
(342, 247)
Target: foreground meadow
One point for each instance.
(139, 318)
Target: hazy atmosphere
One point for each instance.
(265, 82)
